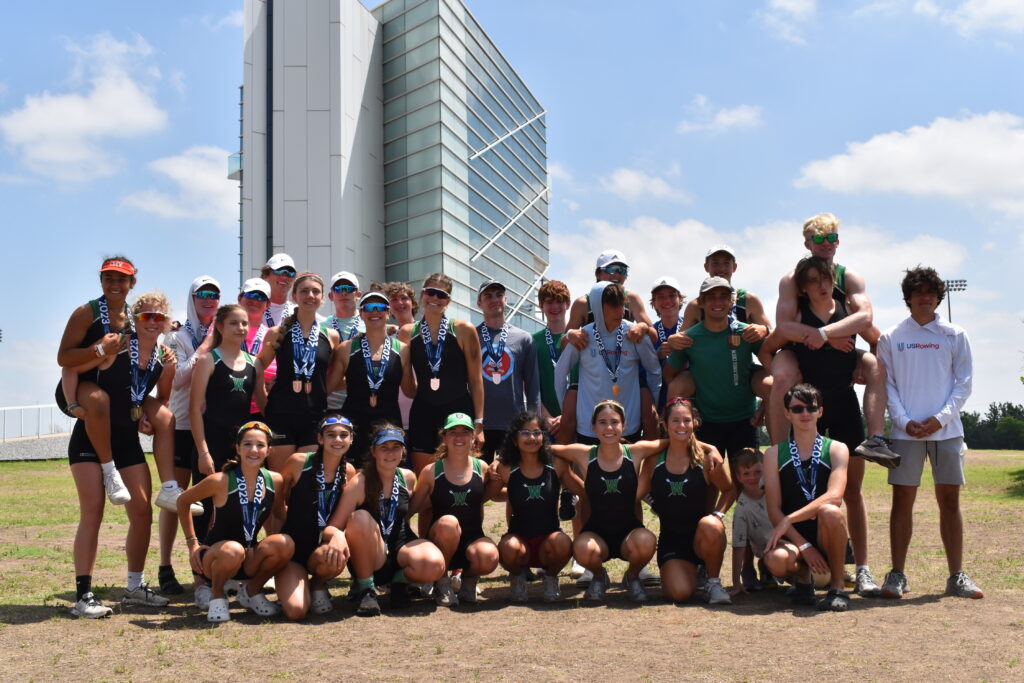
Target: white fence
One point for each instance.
(18, 422)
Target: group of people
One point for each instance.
(331, 436)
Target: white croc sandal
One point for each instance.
(321, 601)
(257, 604)
(218, 611)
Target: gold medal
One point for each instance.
(373, 400)
(615, 389)
(435, 383)
(734, 340)
(136, 412)
(309, 387)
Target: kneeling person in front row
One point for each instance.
(804, 480)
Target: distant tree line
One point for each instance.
(1002, 426)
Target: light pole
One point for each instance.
(953, 286)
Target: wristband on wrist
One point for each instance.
(99, 351)
(478, 421)
(805, 546)
(719, 514)
(191, 538)
(823, 333)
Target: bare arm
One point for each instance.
(338, 367)
(419, 502)
(351, 498)
(469, 342)
(408, 376)
(69, 354)
(196, 405)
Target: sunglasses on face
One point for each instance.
(208, 295)
(151, 317)
(287, 272)
(617, 270)
(531, 433)
(436, 293)
(375, 308)
(343, 289)
(798, 409)
(256, 296)
(831, 238)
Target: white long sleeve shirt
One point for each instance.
(928, 374)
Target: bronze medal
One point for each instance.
(136, 412)
(734, 340)
(615, 389)
(435, 383)
(296, 386)
(309, 387)
(373, 400)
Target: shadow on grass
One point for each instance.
(774, 601)
(1016, 490)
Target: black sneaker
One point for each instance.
(803, 594)
(168, 582)
(878, 449)
(834, 601)
(750, 580)
(368, 605)
(400, 596)
(567, 506)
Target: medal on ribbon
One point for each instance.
(612, 368)
(388, 507)
(304, 356)
(491, 354)
(809, 481)
(432, 352)
(550, 341)
(325, 499)
(734, 332)
(139, 382)
(250, 510)
(374, 380)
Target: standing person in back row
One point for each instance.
(279, 272)
(509, 366)
(344, 293)
(929, 378)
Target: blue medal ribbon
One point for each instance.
(257, 341)
(613, 369)
(325, 499)
(434, 352)
(304, 351)
(808, 483)
(250, 510)
(385, 355)
(388, 507)
(139, 383)
(491, 353)
(353, 329)
(196, 340)
(550, 341)
(664, 334)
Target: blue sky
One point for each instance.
(671, 126)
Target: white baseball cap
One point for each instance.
(345, 275)
(281, 261)
(204, 281)
(720, 247)
(611, 256)
(256, 284)
(666, 281)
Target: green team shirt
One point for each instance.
(546, 367)
(721, 373)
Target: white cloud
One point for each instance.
(571, 205)
(787, 18)
(204, 192)
(972, 16)
(64, 136)
(233, 19)
(631, 184)
(704, 116)
(557, 171)
(11, 179)
(977, 159)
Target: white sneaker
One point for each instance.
(552, 592)
(202, 595)
(257, 604)
(321, 601)
(517, 587)
(117, 492)
(444, 596)
(648, 578)
(716, 593)
(468, 592)
(142, 595)
(90, 608)
(577, 570)
(457, 580)
(217, 611)
(167, 499)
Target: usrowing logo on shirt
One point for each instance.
(533, 492)
(459, 498)
(612, 485)
(905, 346)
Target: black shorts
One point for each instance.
(493, 439)
(594, 441)
(729, 437)
(841, 421)
(292, 429)
(459, 560)
(678, 545)
(614, 536)
(184, 449)
(809, 530)
(240, 575)
(124, 444)
(426, 420)
(383, 576)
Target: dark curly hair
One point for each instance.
(508, 454)
(922, 278)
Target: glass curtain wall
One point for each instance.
(465, 160)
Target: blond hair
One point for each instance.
(822, 224)
(155, 300)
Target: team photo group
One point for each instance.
(293, 449)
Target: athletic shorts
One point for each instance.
(426, 420)
(124, 444)
(459, 560)
(184, 449)
(614, 536)
(678, 545)
(293, 429)
(240, 575)
(493, 439)
(729, 437)
(809, 530)
(532, 545)
(841, 420)
(385, 574)
(946, 457)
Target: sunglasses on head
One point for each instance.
(798, 409)
(375, 307)
(617, 269)
(255, 424)
(151, 317)
(343, 289)
(256, 296)
(207, 294)
(288, 272)
(831, 237)
(335, 420)
(436, 293)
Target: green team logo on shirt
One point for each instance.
(459, 498)
(676, 488)
(533, 492)
(612, 485)
(238, 384)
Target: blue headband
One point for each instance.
(389, 434)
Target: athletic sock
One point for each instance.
(170, 485)
(864, 567)
(134, 580)
(107, 467)
(399, 577)
(83, 585)
(364, 584)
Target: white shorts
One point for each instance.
(946, 456)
